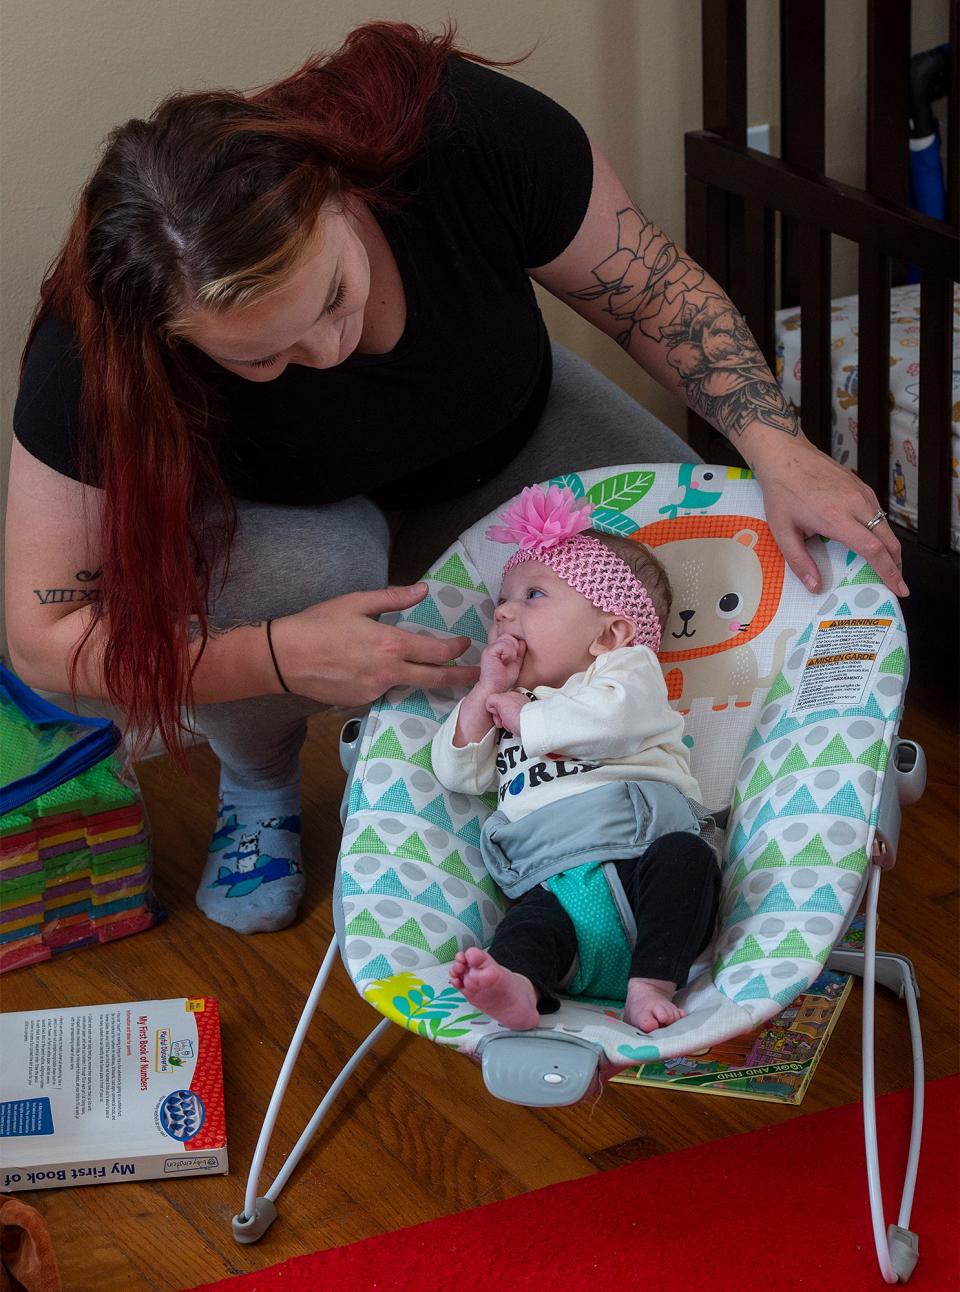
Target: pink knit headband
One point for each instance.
(548, 526)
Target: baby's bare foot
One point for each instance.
(650, 1004)
(508, 997)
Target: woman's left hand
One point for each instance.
(805, 492)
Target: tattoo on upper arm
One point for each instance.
(650, 286)
(64, 596)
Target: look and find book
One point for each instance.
(776, 1061)
(103, 1093)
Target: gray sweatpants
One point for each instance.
(287, 558)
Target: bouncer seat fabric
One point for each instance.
(792, 704)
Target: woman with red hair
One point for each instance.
(279, 319)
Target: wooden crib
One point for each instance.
(738, 200)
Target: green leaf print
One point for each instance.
(571, 481)
(427, 1013)
(621, 491)
(609, 521)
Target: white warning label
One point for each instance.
(841, 658)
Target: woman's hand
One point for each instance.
(806, 492)
(337, 653)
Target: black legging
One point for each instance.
(673, 889)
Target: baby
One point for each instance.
(599, 835)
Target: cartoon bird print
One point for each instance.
(899, 483)
(694, 497)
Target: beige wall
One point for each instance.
(72, 69)
(629, 69)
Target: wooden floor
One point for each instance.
(416, 1136)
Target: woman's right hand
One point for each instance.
(336, 652)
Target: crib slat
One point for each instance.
(756, 299)
(848, 212)
(815, 353)
(953, 141)
(805, 248)
(802, 118)
(723, 26)
(936, 368)
(873, 378)
(888, 99)
(724, 74)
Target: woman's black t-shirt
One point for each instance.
(501, 185)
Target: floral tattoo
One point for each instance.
(651, 286)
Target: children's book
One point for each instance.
(776, 1062)
(103, 1093)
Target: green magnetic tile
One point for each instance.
(16, 822)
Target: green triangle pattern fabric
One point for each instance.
(413, 887)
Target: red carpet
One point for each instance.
(784, 1207)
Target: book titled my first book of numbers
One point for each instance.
(104, 1093)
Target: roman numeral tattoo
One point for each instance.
(653, 289)
(61, 596)
(64, 596)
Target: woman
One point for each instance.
(273, 318)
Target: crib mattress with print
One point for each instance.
(904, 393)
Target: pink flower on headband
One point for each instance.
(541, 518)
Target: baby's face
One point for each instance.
(556, 623)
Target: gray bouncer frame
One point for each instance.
(538, 1069)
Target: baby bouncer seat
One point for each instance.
(793, 703)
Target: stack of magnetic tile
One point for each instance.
(74, 869)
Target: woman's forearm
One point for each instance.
(683, 329)
(234, 664)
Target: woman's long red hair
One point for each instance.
(212, 186)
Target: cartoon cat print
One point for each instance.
(718, 586)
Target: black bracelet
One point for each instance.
(273, 656)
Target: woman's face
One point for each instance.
(315, 318)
